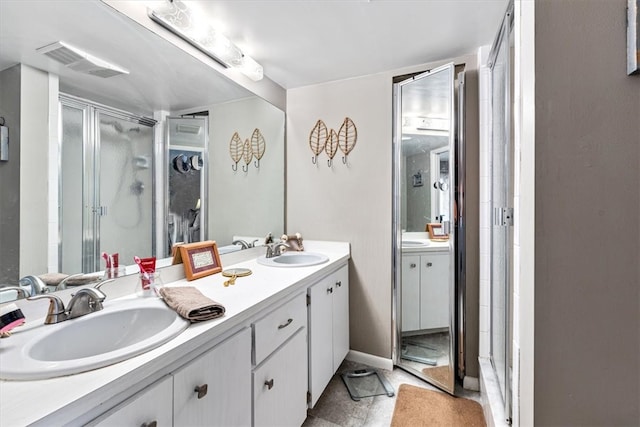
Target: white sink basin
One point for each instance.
(414, 243)
(118, 332)
(294, 259)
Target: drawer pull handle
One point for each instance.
(201, 390)
(269, 384)
(429, 264)
(413, 265)
(153, 423)
(329, 290)
(284, 325)
(339, 284)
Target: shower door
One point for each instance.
(106, 185)
(425, 182)
(502, 198)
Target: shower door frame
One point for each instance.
(91, 169)
(457, 238)
(498, 218)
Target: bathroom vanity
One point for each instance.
(425, 278)
(283, 336)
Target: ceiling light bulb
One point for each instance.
(181, 19)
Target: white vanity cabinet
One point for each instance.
(215, 388)
(425, 290)
(328, 329)
(280, 365)
(151, 407)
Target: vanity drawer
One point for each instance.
(275, 328)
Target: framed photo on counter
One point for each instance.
(436, 232)
(200, 259)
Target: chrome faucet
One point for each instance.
(35, 284)
(275, 249)
(21, 292)
(244, 244)
(85, 301)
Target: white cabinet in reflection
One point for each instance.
(426, 282)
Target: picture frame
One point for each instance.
(200, 259)
(436, 232)
(633, 37)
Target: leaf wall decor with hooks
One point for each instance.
(236, 150)
(248, 155)
(258, 146)
(347, 137)
(331, 148)
(318, 139)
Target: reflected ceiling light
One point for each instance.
(182, 20)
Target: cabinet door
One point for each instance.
(320, 337)
(434, 293)
(410, 292)
(340, 281)
(215, 388)
(153, 404)
(280, 385)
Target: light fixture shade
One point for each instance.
(179, 18)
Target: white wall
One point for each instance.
(246, 203)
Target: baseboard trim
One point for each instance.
(471, 383)
(370, 359)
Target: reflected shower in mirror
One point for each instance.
(155, 87)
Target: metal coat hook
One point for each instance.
(313, 159)
(234, 167)
(330, 162)
(245, 168)
(256, 163)
(344, 160)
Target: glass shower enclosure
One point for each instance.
(106, 185)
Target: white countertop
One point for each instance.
(61, 400)
(430, 245)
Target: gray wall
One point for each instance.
(10, 178)
(587, 217)
(353, 203)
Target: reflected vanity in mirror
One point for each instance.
(424, 222)
(108, 189)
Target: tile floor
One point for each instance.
(335, 407)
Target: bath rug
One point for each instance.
(419, 407)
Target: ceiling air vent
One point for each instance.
(80, 61)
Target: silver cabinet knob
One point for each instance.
(201, 390)
(269, 384)
(429, 264)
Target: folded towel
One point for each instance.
(189, 303)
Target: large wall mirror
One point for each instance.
(128, 116)
(425, 225)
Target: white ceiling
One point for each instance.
(299, 42)
(302, 42)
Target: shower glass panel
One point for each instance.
(502, 210)
(125, 187)
(73, 135)
(106, 188)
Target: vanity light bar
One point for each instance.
(181, 20)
